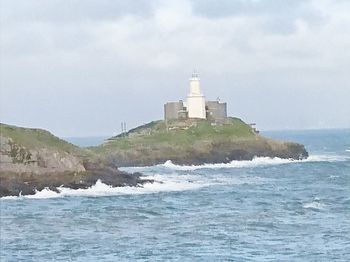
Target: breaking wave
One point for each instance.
(161, 184)
(256, 162)
(178, 181)
(316, 204)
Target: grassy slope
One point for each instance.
(153, 142)
(188, 141)
(156, 134)
(32, 138)
(20, 178)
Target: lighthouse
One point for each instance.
(195, 99)
(196, 107)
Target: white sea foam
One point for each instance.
(333, 177)
(347, 150)
(45, 193)
(256, 162)
(179, 182)
(316, 205)
(162, 184)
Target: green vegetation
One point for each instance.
(32, 138)
(188, 141)
(19, 154)
(182, 133)
(175, 138)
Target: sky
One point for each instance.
(81, 67)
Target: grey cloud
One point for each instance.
(29, 27)
(212, 8)
(72, 10)
(276, 16)
(82, 67)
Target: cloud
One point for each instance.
(61, 11)
(104, 58)
(276, 16)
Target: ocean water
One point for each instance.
(87, 141)
(260, 210)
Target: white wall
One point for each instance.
(195, 100)
(196, 106)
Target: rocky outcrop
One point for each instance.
(34, 159)
(16, 158)
(194, 142)
(28, 183)
(208, 153)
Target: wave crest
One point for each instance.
(161, 184)
(316, 205)
(256, 162)
(166, 181)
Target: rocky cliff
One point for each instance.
(33, 159)
(193, 142)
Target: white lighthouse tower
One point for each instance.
(195, 99)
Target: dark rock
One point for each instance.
(13, 184)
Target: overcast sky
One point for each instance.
(80, 67)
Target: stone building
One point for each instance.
(216, 110)
(175, 110)
(196, 106)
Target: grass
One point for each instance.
(156, 135)
(186, 142)
(179, 134)
(32, 138)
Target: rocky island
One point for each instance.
(194, 132)
(193, 142)
(34, 159)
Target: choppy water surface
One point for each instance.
(260, 210)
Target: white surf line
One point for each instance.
(161, 184)
(255, 162)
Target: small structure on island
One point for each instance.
(196, 107)
(195, 99)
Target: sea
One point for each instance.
(267, 209)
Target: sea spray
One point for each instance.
(255, 162)
(297, 211)
(174, 181)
